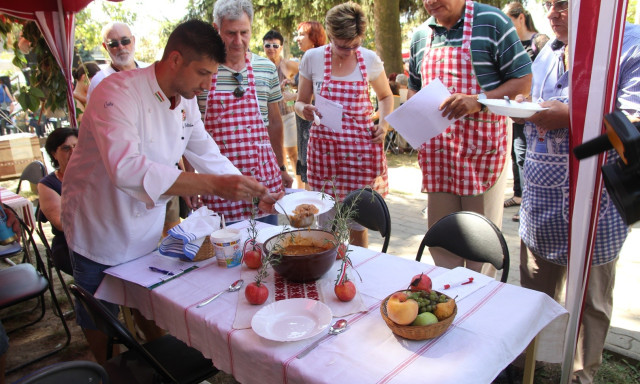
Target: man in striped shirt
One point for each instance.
(242, 112)
(475, 51)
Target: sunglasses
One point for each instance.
(239, 91)
(276, 46)
(558, 6)
(115, 43)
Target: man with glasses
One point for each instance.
(475, 51)
(120, 43)
(544, 227)
(242, 113)
(272, 43)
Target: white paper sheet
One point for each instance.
(331, 113)
(418, 119)
(137, 271)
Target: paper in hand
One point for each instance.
(418, 120)
(331, 113)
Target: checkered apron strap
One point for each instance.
(468, 157)
(349, 159)
(236, 125)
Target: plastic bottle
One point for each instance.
(7, 236)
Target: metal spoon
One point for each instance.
(232, 288)
(338, 327)
(507, 99)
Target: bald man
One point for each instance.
(120, 43)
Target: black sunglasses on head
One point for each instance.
(115, 43)
(239, 91)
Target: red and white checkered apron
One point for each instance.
(237, 127)
(349, 159)
(468, 157)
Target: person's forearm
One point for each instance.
(385, 107)
(511, 88)
(276, 137)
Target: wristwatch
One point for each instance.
(482, 96)
(283, 168)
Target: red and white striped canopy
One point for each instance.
(595, 27)
(55, 18)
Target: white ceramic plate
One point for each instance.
(292, 320)
(266, 233)
(512, 108)
(287, 204)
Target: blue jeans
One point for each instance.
(88, 274)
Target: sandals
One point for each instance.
(516, 217)
(512, 202)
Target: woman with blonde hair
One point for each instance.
(342, 72)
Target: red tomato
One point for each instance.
(420, 282)
(342, 251)
(253, 258)
(256, 294)
(345, 291)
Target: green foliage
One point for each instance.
(47, 83)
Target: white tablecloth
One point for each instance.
(22, 206)
(493, 326)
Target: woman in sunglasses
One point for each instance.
(342, 72)
(59, 147)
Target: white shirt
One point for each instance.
(105, 72)
(113, 205)
(312, 67)
(98, 77)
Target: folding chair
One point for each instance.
(371, 211)
(470, 236)
(167, 358)
(23, 282)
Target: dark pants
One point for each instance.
(518, 151)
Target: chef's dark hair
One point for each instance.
(195, 39)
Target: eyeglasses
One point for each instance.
(275, 46)
(66, 148)
(239, 91)
(115, 43)
(343, 48)
(558, 6)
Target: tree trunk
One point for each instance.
(388, 35)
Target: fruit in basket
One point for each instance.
(345, 291)
(401, 309)
(256, 293)
(444, 310)
(425, 318)
(420, 282)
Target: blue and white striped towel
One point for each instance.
(185, 239)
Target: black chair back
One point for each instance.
(371, 212)
(470, 236)
(78, 372)
(32, 173)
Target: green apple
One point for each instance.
(425, 318)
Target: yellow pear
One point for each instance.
(444, 310)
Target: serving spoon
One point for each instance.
(338, 327)
(232, 288)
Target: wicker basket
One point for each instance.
(206, 250)
(415, 332)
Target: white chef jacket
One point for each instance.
(113, 205)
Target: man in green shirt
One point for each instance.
(476, 53)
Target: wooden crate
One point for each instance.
(16, 152)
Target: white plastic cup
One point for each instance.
(227, 247)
